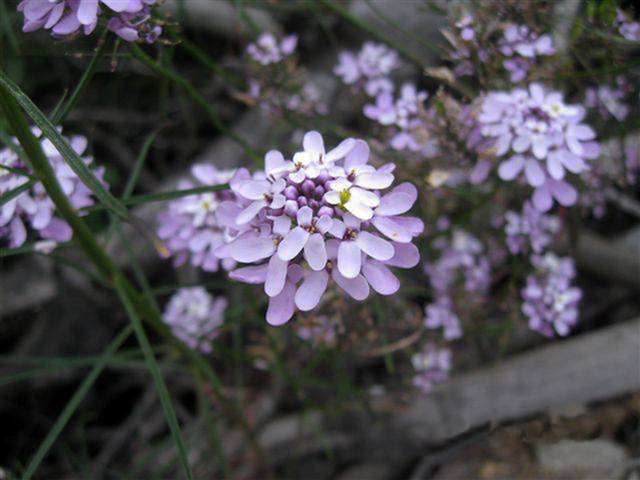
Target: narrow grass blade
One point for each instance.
(73, 404)
(69, 155)
(154, 369)
(11, 194)
(59, 115)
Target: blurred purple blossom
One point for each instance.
(195, 317)
(542, 138)
(550, 301)
(530, 230)
(189, 226)
(369, 68)
(463, 254)
(432, 365)
(522, 46)
(267, 50)
(34, 206)
(609, 100)
(627, 28)
(315, 217)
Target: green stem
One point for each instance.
(192, 92)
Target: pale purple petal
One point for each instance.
(349, 259)
(534, 173)
(313, 142)
(253, 275)
(406, 255)
(380, 278)
(391, 229)
(311, 290)
(359, 155)
(282, 306)
(357, 287)
(315, 253)
(343, 148)
(373, 246)
(252, 249)
(374, 180)
(276, 276)
(293, 243)
(510, 169)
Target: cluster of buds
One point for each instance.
(34, 206)
(317, 217)
(131, 20)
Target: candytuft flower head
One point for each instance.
(522, 46)
(550, 301)
(530, 230)
(542, 138)
(195, 317)
(190, 226)
(33, 206)
(318, 216)
(129, 19)
(267, 49)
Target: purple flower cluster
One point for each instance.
(609, 100)
(463, 253)
(432, 366)
(33, 206)
(542, 138)
(129, 19)
(195, 317)
(369, 68)
(530, 230)
(550, 301)
(403, 114)
(267, 50)
(627, 28)
(522, 46)
(316, 217)
(319, 331)
(189, 226)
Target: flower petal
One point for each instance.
(374, 180)
(313, 142)
(510, 169)
(315, 253)
(252, 189)
(349, 259)
(276, 276)
(252, 275)
(293, 243)
(304, 216)
(252, 249)
(391, 229)
(359, 155)
(394, 203)
(357, 287)
(535, 175)
(373, 246)
(340, 151)
(311, 290)
(250, 212)
(406, 255)
(359, 210)
(282, 306)
(380, 278)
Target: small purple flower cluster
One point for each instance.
(465, 42)
(275, 89)
(369, 68)
(550, 301)
(267, 50)
(609, 100)
(522, 46)
(403, 114)
(312, 218)
(432, 366)
(129, 19)
(195, 317)
(626, 27)
(533, 126)
(34, 206)
(189, 226)
(463, 253)
(530, 230)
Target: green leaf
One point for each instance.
(73, 404)
(161, 387)
(69, 155)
